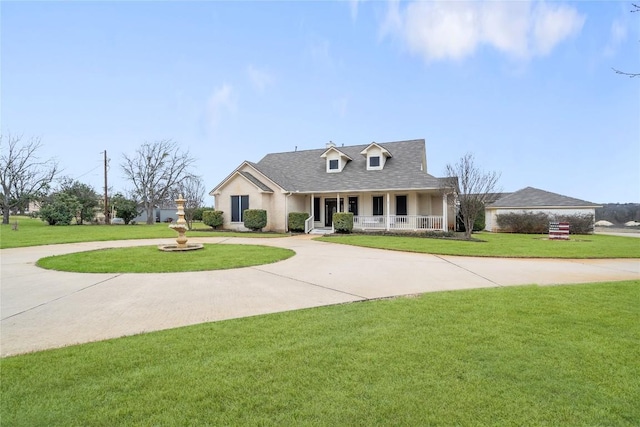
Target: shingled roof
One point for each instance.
(305, 171)
(530, 197)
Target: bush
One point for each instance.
(478, 224)
(213, 218)
(60, 210)
(343, 222)
(255, 219)
(296, 221)
(538, 222)
(197, 214)
(579, 223)
(526, 222)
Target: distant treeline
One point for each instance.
(619, 213)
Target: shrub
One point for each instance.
(525, 222)
(60, 210)
(197, 214)
(296, 221)
(255, 219)
(538, 222)
(213, 218)
(578, 223)
(343, 222)
(478, 224)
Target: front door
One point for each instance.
(330, 207)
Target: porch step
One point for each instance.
(321, 231)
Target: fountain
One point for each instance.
(180, 227)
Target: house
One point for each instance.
(385, 185)
(534, 200)
(165, 211)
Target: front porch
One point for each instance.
(399, 211)
(399, 222)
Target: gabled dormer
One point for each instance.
(376, 156)
(336, 159)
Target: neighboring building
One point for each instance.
(162, 213)
(531, 199)
(385, 185)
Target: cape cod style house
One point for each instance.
(385, 185)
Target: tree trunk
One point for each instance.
(5, 215)
(151, 218)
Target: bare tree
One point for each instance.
(476, 188)
(192, 189)
(155, 170)
(636, 8)
(23, 177)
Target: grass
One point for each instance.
(563, 355)
(503, 245)
(148, 259)
(34, 232)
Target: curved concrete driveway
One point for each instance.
(43, 309)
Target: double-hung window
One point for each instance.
(238, 205)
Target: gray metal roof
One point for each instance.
(306, 171)
(530, 197)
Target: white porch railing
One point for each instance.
(308, 224)
(398, 222)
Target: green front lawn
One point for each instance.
(34, 232)
(503, 245)
(561, 355)
(149, 259)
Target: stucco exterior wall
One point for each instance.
(240, 186)
(491, 222)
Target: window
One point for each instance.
(333, 164)
(353, 205)
(401, 205)
(378, 205)
(374, 161)
(239, 204)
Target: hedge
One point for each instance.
(343, 222)
(212, 218)
(296, 221)
(255, 219)
(538, 222)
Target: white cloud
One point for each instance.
(618, 34)
(455, 30)
(260, 79)
(552, 24)
(221, 100)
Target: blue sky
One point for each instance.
(527, 87)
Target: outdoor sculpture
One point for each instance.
(180, 227)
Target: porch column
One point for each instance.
(338, 203)
(445, 220)
(388, 210)
(311, 207)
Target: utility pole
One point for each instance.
(107, 214)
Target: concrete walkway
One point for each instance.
(43, 309)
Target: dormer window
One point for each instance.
(376, 156)
(336, 159)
